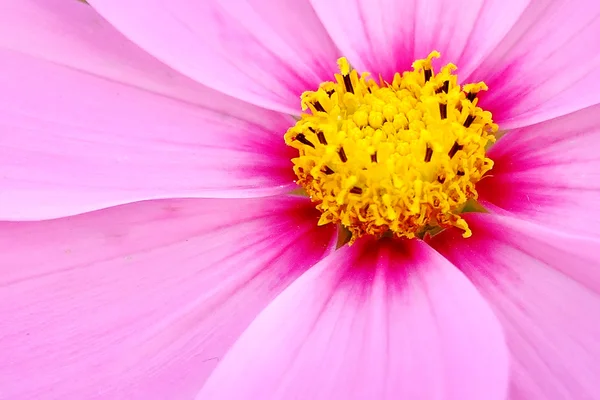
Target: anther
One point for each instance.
(441, 179)
(428, 154)
(328, 171)
(460, 173)
(443, 111)
(330, 92)
(444, 88)
(374, 157)
(455, 147)
(356, 190)
(469, 121)
(471, 96)
(428, 74)
(342, 154)
(302, 139)
(318, 106)
(348, 84)
(364, 210)
(321, 137)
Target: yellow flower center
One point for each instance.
(397, 158)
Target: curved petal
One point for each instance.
(265, 52)
(544, 287)
(549, 173)
(378, 320)
(547, 66)
(77, 135)
(141, 301)
(387, 36)
(72, 34)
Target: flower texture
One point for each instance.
(299, 199)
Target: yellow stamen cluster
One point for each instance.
(400, 157)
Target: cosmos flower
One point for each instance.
(179, 180)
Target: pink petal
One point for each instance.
(141, 301)
(74, 35)
(88, 121)
(386, 37)
(547, 66)
(378, 320)
(549, 173)
(544, 287)
(262, 51)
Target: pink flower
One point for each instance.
(151, 248)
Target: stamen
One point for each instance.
(428, 75)
(321, 137)
(348, 84)
(443, 111)
(455, 147)
(327, 170)
(469, 121)
(342, 155)
(444, 88)
(384, 179)
(318, 106)
(302, 139)
(428, 154)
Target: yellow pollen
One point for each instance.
(397, 158)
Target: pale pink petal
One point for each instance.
(72, 34)
(141, 301)
(549, 173)
(547, 66)
(544, 287)
(379, 320)
(262, 51)
(76, 134)
(386, 36)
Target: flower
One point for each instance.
(152, 248)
